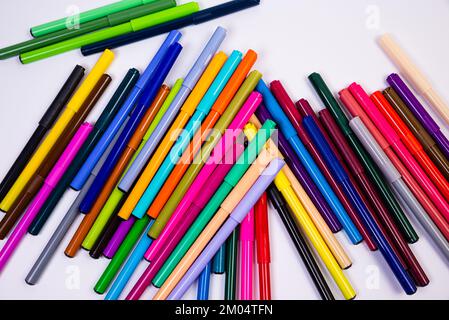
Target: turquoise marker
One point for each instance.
(192, 126)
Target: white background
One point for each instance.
(293, 39)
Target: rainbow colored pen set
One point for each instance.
(178, 178)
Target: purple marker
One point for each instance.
(118, 237)
(419, 112)
(301, 174)
(236, 217)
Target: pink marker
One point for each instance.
(216, 157)
(49, 184)
(247, 256)
(390, 135)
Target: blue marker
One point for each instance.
(305, 158)
(81, 178)
(130, 266)
(189, 82)
(204, 283)
(184, 139)
(341, 176)
(139, 111)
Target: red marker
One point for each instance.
(263, 247)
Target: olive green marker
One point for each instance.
(334, 108)
(139, 226)
(105, 22)
(86, 16)
(200, 159)
(230, 181)
(107, 33)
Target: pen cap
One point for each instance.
(251, 151)
(161, 71)
(408, 117)
(68, 154)
(127, 15)
(245, 183)
(262, 183)
(92, 78)
(117, 99)
(247, 227)
(330, 102)
(156, 18)
(410, 99)
(63, 95)
(220, 81)
(363, 99)
(223, 9)
(234, 82)
(356, 110)
(171, 38)
(204, 82)
(396, 122)
(262, 230)
(204, 58)
(275, 110)
(378, 155)
(402, 60)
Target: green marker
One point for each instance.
(121, 29)
(200, 159)
(117, 195)
(87, 16)
(231, 265)
(373, 172)
(230, 181)
(108, 21)
(115, 198)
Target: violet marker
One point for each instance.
(419, 112)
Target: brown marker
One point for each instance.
(91, 217)
(429, 145)
(33, 186)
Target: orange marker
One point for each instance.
(133, 144)
(217, 110)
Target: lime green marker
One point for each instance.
(140, 225)
(116, 196)
(86, 16)
(121, 29)
(230, 181)
(105, 22)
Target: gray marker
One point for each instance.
(399, 187)
(66, 222)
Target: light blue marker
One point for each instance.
(83, 174)
(130, 266)
(189, 82)
(307, 161)
(192, 126)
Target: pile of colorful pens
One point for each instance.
(181, 175)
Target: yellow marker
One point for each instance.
(284, 186)
(159, 155)
(72, 107)
(313, 235)
(332, 242)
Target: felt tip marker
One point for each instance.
(53, 135)
(50, 182)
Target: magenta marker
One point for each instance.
(49, 184)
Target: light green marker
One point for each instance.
(104, 34)
(66, 23)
